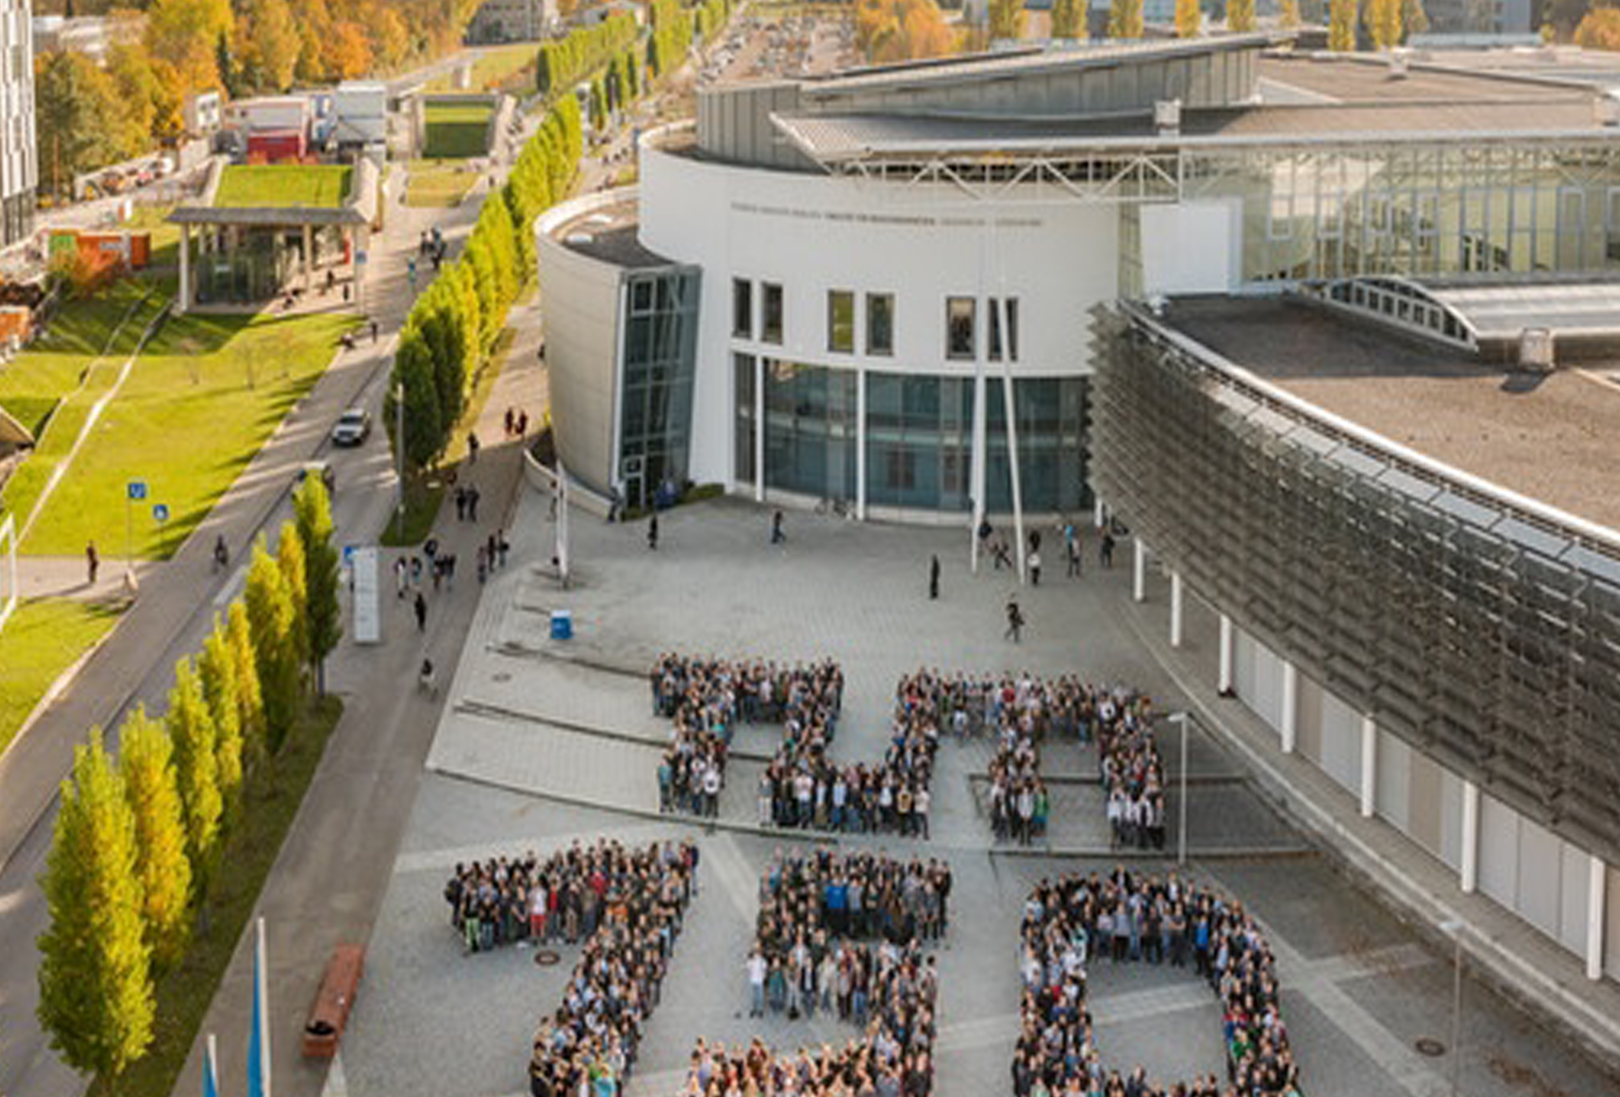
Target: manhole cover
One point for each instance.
(546, 957)
(503, 676)
(1428, 1045)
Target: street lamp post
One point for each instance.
(1455, 928)
(1181, 719)
(399, 461)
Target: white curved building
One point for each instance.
(853, 242)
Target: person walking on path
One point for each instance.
(1015, 621)
(652, 532)
(92, 561)
(1105, 549)
(400, 580)
(472, 447)
(421, 612)
(933, 579)
(1035, 569)
(472, 503)
(1074, 551)
(777, 536)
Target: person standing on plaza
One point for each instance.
(933, 578)
(1074, 551)
(472, 447)
(400, 581)
(652, 532)
(1105, 549)
(421, 612)
(1035, 568)
(472, 503)
(1015, 621)
(777, 536)
(92, 561)
(757, 970)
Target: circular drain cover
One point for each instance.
(546, 957)
(501, 677)
(1428, 1045)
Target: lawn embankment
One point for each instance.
(203, 398)
(270, 802)
(34, 382)
(456, 130)
(42, 639)
(499, 68)
(441, 184)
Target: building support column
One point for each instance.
(1223, 679)
(977, 461)
(1469, 872)
(1097, 512)
(1596, 895)
(1139, 570)
(860, 444)
(1175, 608)
(1290, 705)
(185, 269)
(759, 429)
(1369, 766)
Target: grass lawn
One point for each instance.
(185, 993)
(281, 185)
(33, 382)
(165, 236)
(221, 383)
(41, 640)
(456, 130)
(439, 183)
(423, 494)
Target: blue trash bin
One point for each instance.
(562, 624)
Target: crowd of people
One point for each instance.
(1132, 773)
(626, 905)
(707, 698)
(840, 934)
(1076, 920)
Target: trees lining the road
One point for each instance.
(135, 844)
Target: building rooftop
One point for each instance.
(1550, 441)
(1361, 78)
(609, 234)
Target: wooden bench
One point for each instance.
(333, 1001)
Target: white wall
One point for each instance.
(1192, 247)
(813, 233)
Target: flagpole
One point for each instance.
(259, 1039)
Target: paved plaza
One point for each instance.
(545, 742)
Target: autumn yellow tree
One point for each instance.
(1240, 16)
(1599, 29)
(1383, 20)
(267, 44)
(348, 52)
(1125, 19)
(1068, 18)
(902, 30)
(1342, 25)
(1007, 19)
(1289, 17)
(1189, 18)
(186, 33)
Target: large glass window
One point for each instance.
(995, 328)
(742, 308)
(841, 321)
(919, 431)
(771, 323)
(810, 429)
(743, 381)
(959, 341)
(1052, 422)
(880, 323)
(655, 404)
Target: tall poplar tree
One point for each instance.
(95, 974)
(249, 698)
(1342, 25)
(1383, 19)
(323, 617)
(271, 620)
(1068, 18)
(1125, 19)
(146, 761)
(196, 761)
(1189, 18)
(1007, 19)
(1240, 16)
(290, 559)
(216, 667)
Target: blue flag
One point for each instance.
(210, 1069)
(259, 1039)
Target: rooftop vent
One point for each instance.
(1167, 117)
(1536, 350)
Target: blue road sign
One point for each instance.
(137, 490)
(348, 554)
(160, 512)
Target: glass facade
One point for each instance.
(1325, 212)
(770, 324)
(880, 323)
(919, 437)
(810, 429)
(655, 405)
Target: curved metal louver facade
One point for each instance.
(1483, 634)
